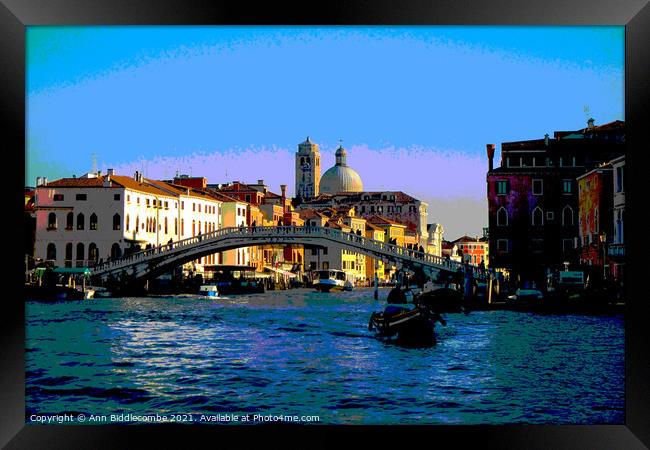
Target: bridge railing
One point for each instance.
(287, 231)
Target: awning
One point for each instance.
(73, 270)
(280, 271)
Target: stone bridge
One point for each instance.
(153, 262)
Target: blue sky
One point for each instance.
(414, 106)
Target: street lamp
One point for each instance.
(603, 240)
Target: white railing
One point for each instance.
(261, 233)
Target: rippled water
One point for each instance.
(300, 352)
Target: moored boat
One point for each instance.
(329, 280)
(209, 290)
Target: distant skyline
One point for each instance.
(413, 105)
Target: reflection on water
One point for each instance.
(300, 352)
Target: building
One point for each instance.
(307, 170)
(533, 197)
(616, 247)
(374, 265)
(435, 233)
(82, 221)
(595, 201)
(473, 250)
(335, 256)
(450, 250)
(340, 177)
(270, 209)
(30, 227)
(393, 205)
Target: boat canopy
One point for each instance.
(73, 270)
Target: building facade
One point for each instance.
(616, 248)
(533, 197)
(307, 170)
(595, 226)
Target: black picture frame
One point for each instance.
(15, 15)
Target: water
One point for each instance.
(303, 353)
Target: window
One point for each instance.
(93, 252)
(399, 209)
(566, 186)
(80, 221)
(182, 205)
(58, 197)
(127, 222)
(148, 203)
(325, 251)
(193, 206)
(176, 226)
(248, 198)
(68, 254)
(117, 221)
(537, 245)
(51, 252)
(69, 221)
(619, 179)
(93, 221)
(137, 200)
(199, 207)
(538, 187)
(567, 245)
(81, 197)
(165, 225)
(116, 251)
(502, 217)
(538, 217)
(502, 245)
(116, 196)
(166, 205)
(502, 187)
(80, 254)
(567, 216)
(550, 215)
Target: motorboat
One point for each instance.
(209, 290)
(328, 280)
(348, 285)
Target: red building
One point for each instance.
(595, 225)
(474, 250)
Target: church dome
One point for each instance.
(340, 178)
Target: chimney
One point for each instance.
(99, 173)
(260, 182)
(590, 123)
(110, 172)
(490, 155)
(283, 188)
(44, 180)
(38, 181)
(136, 175)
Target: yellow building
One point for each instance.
(376, 233)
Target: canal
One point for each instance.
(303, 353)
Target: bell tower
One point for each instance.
(307, 170)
